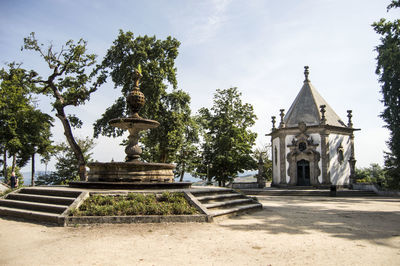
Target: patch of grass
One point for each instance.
(135, 204)
(7, 191)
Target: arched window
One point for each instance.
(276, 156)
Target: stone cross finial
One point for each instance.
(282, 114)
(349, 115)
(323, 118)
(273, 122)
(306, 73)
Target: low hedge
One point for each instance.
(135, 204)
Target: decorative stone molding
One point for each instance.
(340, 152)
(303, 148)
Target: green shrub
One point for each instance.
(135, 204)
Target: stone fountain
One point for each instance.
(133, 173)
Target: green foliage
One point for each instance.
(69, 83)
(227, 139)
(67, 166)
(372, 174)
(264, 153)
(388, 70)
(392, 172)
(135, 204)
(24, 130)
(2, 194)
(156, 59)
(18, 174)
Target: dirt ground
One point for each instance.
(288, 231)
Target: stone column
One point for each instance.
(282, 158)
(273, 160)
(326, 180)
(352, 161)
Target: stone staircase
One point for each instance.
(47, 205)
(224, 202)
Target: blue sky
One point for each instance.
(260, 47)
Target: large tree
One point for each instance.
(68, 84)
(228, 140)
(24, 129)
(388, 70)
(164, 102)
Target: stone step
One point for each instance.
(218, 197)
(50, 192)
(209, 192)
(237, 209)
(31, 215)
(34, 206)
(224, 204)
(41, 198)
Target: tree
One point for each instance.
(188, 158)
(227, 139)
(264, 153)
(69, 84)
(374, 173)
(388, 70)
(24, 129)
(67, 166)
(164, 102)
(38, 141)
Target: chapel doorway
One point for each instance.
(303, 173)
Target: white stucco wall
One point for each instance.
(317, 140)
(339, 172)
(288, 140)
(276, 167)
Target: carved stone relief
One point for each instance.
(303, 148)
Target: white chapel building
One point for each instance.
(312, 146)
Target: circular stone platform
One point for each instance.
(130, 185)
(135, 171)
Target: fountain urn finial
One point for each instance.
(136, 99)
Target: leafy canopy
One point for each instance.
(164, 102)
(388, 70)
(24, 130)
(70, 83)
(227, 138)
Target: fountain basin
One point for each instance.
(135, 171)
(137, 123)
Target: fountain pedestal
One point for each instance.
(132, 173)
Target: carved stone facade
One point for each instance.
(303, 149)
(312, 146)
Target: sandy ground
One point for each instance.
(288, 231)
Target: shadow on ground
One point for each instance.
(374, 219)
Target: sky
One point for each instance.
(258, 46)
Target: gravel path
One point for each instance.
(288, 231)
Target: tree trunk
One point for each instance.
(14, 163)
(5, 165)
(183, 172)
(33, 171)
(72, 143)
